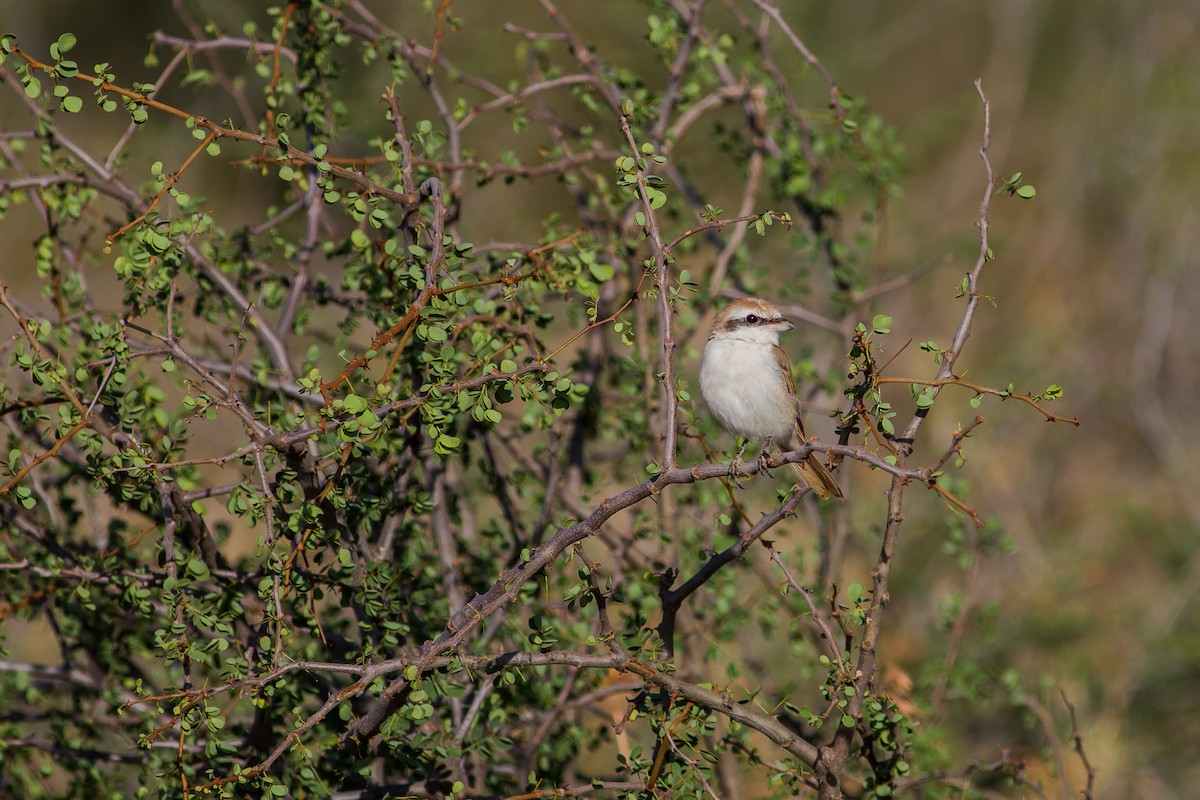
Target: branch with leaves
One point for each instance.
(367, 476)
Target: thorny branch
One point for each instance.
(833, 756)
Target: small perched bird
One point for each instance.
(746, 379)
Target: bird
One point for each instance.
(746, 380)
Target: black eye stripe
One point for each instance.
(753, 319)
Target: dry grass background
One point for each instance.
(1097, 285)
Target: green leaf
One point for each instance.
(447, 443)
(508, 366)
(882, 323)
(72, 104)
(601, 272)
(66, 42)
(198, 569)
(1027, 192)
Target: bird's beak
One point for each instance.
(790, 325)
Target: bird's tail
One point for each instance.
(818, 478)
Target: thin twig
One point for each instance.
(1077, 739)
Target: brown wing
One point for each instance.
(811, 470)
(785, 369)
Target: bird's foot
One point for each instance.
(734, 467)
(764, 459)
(736, 464)
(764, 463)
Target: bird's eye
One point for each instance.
(752, 318)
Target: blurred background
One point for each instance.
(1095, 288)
(1096, 285)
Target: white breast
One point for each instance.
(741, 383)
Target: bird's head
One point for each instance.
(750, 319)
